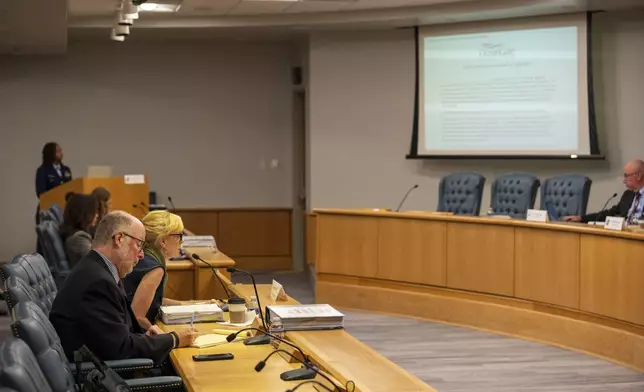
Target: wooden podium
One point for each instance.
(124, 196)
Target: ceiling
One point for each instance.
(23, 31)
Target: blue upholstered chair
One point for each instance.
(567, 193)
(461, 193)
(513, 194)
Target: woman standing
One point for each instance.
(51, 173)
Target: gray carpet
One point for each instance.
(455, 359)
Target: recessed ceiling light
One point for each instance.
(159, 7)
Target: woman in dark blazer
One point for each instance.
(51, 173)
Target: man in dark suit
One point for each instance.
(91, 306)
(631, 204)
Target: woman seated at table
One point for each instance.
(104, 198)
(79, 218)
(145, 284)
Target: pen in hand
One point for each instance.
(192, 321)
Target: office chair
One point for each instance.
(19, 369)
(513, 194)
(17, 290)
(33, 270)
(33, 326)
(461, 193)
(568, 194)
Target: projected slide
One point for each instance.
(501, 92)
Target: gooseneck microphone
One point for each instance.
(233, 336)
(308, 371)
(214, 272)
(608, 201)
(256, 340)
(405, 198)
(172, 204)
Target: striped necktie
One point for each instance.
(632, 218)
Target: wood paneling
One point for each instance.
(180, 284)
(547, 266)
(311, 238)
(201, 222)
(347, 245)
(255, 233)
(612, 276)
(257, 238)
(480, 258)
(412, 251)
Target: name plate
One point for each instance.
(537, 216)
(614, 223)
(131, 179)
(277, 292)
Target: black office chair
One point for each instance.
(19, 369)
(17, 290)
(33, 326)
(57, 213)
(53, 250)
(33, 270)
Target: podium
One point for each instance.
(124, 195)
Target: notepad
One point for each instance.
(212, 340)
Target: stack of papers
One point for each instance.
(199, 241)
(305, 317)
(183, 314)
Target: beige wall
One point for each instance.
(196, 117)
(361, 118)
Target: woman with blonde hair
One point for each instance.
(145, 284)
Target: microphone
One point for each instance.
(140, 208)
(308, 371)
(233, 336)
(608, 201)
(172, 204)
(256, 340)
(405, 198)
(214, 272)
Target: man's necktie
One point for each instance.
(632, 218)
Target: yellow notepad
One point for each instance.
(212, 340)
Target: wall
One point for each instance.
(361, 118)
(197, 117)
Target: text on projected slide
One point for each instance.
(502, 91)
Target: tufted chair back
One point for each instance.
(513, 194)
(567, 193)
(461, 193)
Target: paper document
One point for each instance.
(183, 314)
(212, 340)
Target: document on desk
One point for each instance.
(212, 340)
(305, 317)
(183, 314)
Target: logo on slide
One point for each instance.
(495, 50)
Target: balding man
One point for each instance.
(91, 307)
(631, 205)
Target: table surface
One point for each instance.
(337, 352)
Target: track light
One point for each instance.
(130, 10)
(114, 37)
(122, 20)
(121, 31)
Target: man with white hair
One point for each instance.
(91, 307)
(631, 204)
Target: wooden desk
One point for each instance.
(571, 285)
(192, 279)
(343, 356)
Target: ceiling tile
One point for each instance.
(247, 7)
(366, 4)
(206, 7)
(318, 6)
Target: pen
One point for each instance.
(192, 320)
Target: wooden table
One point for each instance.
(192, 279)
(336, 352)
(571, 285)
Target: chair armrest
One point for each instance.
(155, 383)
(121, 365)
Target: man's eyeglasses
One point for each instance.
(139, 241)
(627, 175)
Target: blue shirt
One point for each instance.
(634, 215)
(110, 266)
